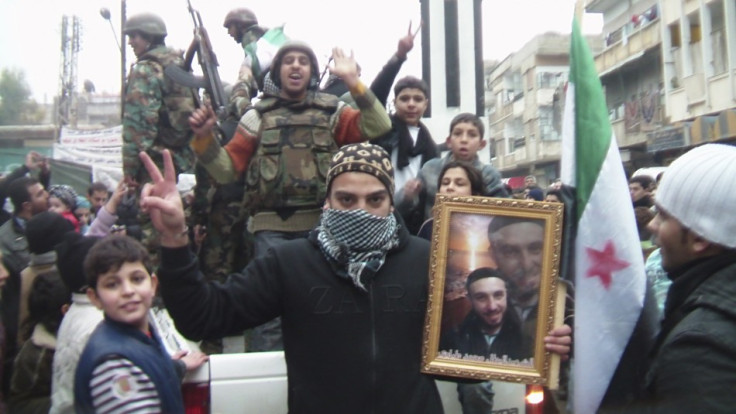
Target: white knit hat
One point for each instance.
(699, 190)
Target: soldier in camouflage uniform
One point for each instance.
(284, 144)
(217, 213)
(156, 109)
(254, 75)
(218, 217)
(242, 26)
(217, 210)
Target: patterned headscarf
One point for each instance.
(66, 194)
(82, 202)
(356, 242)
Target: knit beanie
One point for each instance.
(66, 194)
(82, 202)
(366, 158)
(536, 194)
(699, 190)
(45, 230)
(70, 254)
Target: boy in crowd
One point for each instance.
(97, 194)
(464, 142)
(125, 365)
(640, 188)
(409, 142)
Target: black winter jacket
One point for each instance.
(468, 339)
(693, 365)
(347, 351)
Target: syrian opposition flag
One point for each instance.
(608, 265)
(260, 54)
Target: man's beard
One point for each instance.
(521, 292)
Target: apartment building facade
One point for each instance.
(630, 69)
(699, 55)
(668, 71)
(524, 105)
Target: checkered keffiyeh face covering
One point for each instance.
(356, 242)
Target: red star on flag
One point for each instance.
(604, 262)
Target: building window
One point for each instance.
(675, 35)
(513, 89)
(514, 131)
(696, 46)
(519, 143)
(547, 127)
(490, 108)
(549, 80)
(718, 38)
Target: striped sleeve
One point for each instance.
(357, 125)
(118, 386)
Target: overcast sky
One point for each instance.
(30, 32)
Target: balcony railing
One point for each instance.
(533, 151)
(629, 47)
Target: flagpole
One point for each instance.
(610, 282)
(579, 8)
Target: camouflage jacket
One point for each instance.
(289, 167)
(156, 113)
(346, 126)
(251, 80)
(245, 87)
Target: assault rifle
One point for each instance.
(210, 81)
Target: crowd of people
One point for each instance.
(302, 231)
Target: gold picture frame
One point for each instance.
(493, 248)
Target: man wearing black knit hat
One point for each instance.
(352, 296)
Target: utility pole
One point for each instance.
(67, 106)
(105, 13)
(122, 58)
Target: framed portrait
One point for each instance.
(494, 291)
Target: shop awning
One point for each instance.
(725, 126)
(701, 129)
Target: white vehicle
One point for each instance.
(256, 383)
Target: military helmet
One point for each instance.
(147, 23)
(240, 15)
(289, 46)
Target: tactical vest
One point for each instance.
(178, 101)
(296, 144)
